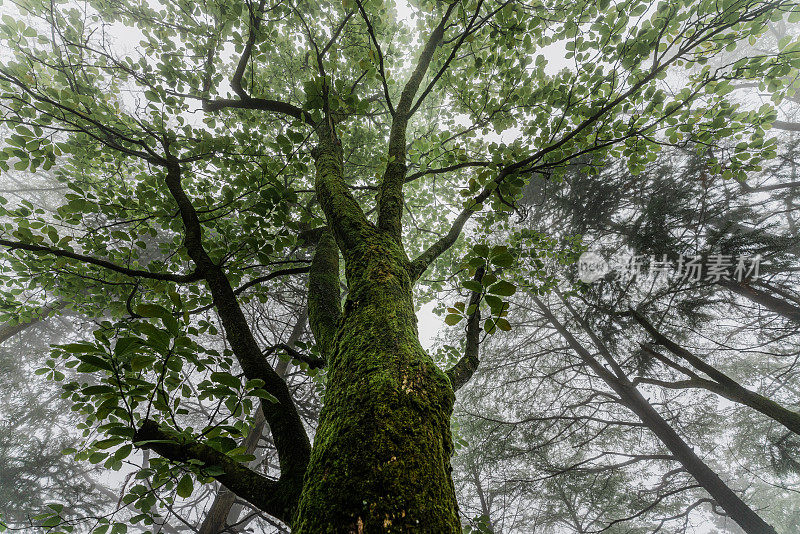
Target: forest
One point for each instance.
(412, 266)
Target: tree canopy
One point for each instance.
(194, 175)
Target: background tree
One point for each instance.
(730, 395)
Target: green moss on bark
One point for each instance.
(324, 297)
(381, 456)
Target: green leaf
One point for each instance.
(95, 361)
(452, 319)
(126, 344)
(489, 326)
(141, 361)
(185, 486)
(481, 250)
(503, 260)
(264, 394)
(152, 310)
(97, 457)
(108, 443)
(503, 288)
(473, 285)
(79, 348)
(123, 452)
(97, 390)
(226, 379)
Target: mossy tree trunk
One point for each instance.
(381, 455)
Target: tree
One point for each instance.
(33, 472)
(343, 133)
(568, 429)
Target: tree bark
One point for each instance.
(381, 455)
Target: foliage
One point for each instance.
(203, 148)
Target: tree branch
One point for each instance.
(264, 493)
(379, 52)
(324, 298)
(421, 263)
(342, 211)
(136, 273)
(390, 190)
(261, 104)
(721, 384)
(462, 371)
(245, 100)
(784, 125)
(313, 363)
(285, 423)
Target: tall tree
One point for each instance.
(346, 129)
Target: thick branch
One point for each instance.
(246, 101)
(722, 384)
(261, 104)
(421, 263)
(267, 277)
(449, 168)
(342, 211)
(379, 52)
(773, 187)
(635, 401)
(285, 424)
(789, 126)
(9, 330)
(776, 305)
(390, 191)
(224, 509)
(324, 297)
(254, 282)
(268, 495)
(313, 363)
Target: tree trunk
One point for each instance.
(744, 516)
(720, 383)
(630, 397)
(381, 456)
(774, 304)
(8, 330)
